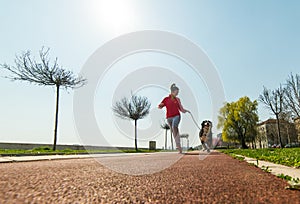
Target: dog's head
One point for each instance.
(206, 123)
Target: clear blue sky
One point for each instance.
(251, 42)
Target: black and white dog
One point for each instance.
(204, 134)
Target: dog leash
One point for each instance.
(194, 121)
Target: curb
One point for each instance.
(276, 169)
(12, 159)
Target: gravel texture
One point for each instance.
(216, 179)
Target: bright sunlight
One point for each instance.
(116, 16)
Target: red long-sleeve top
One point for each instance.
(173, 106)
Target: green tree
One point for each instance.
(135, 108)
(43, 73)
(238, 120)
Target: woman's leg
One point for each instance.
(173, 123)
(176, 121)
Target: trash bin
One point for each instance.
(152, 145)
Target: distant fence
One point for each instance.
(27, 146)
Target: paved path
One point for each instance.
(8, 159)
(215, 179)
(105, 159)
(275, 168)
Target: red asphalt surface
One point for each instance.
(216, 179)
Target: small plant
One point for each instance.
(285, 177)
(294, 183)
(289, 178)
(296, 180)
(238, 157)
(266, 169)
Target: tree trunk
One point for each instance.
(135, 135)
(288, 134)
(278, 129)
(260, 144)
(243, 143)
(56, 118)
(166, 143)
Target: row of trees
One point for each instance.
(239, 119)
(43, 72)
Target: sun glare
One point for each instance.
(116, 16)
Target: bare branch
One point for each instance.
(42, 72)
(292, 95)
(273, 100)
(135, 108)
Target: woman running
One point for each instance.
(173, 106)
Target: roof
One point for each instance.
(273, 121)
(269, 121)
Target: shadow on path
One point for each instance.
(213, 153)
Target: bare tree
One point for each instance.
(166, 127)
(292, 94)
(43, 73)
(274, 101)
(135, 108)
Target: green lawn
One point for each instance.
(285, 156)
(48, 151)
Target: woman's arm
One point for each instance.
(181, 107)
(161, 105)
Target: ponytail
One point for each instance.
(173, 87)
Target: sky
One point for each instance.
(252, 44)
